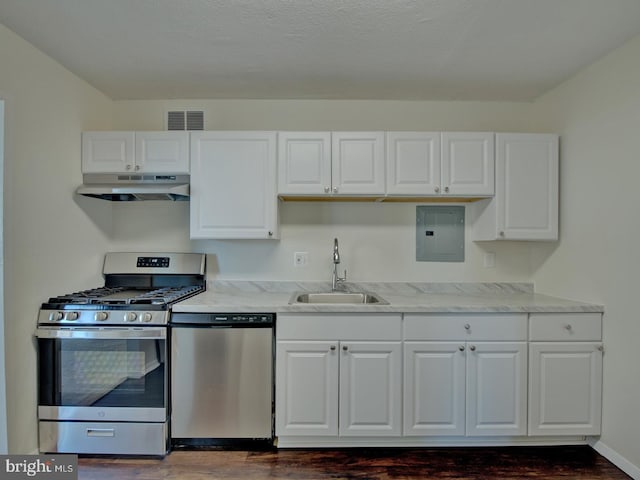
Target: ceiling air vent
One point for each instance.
(185, 120)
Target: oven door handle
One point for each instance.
(102, 333)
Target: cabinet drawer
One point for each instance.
(564, 327)
(328, 326)
(489, 327)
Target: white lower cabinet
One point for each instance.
(435, 385)
(307, 388)
(339, 388)
(472, 388)
(496, 388)
(347, 387)
(465, 374)
(565, 376)
(387, 379)
(370, 389)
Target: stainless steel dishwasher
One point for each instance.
(221, 378)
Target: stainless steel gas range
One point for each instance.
(103, 370)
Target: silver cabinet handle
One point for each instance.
(345, 348)
(335, 189)
(472, 348)
(137, 168)
(437, 189)
(501, 233)
(467, 326)
(327, 189)
(446, 189)
(101, 432)
(333, 348)
(270, 233)
(128, 167)
(601, 348)
(461, 348)
(568, 327)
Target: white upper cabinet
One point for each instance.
(108, 152)
(330, 163)
(413, 163)
(135, 152)
(233, 185)
(304, 162)
(525, 206)
(162, 152)
(468, 163)
(357, 162)
(432, 163)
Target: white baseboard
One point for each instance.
(614, 457)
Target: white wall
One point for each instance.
(52, 244)
(377, 240)
(598, 115)
(3, 390)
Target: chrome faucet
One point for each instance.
(337, 282)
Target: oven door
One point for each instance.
(102, 374)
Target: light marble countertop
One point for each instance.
(267, 297)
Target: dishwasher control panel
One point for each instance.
(224, 319)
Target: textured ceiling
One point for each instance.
(328, 49)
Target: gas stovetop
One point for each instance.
(123, 298)
(139, 289)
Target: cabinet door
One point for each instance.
(434, 388)
(304, 163)
(468, 163)
(370, 388)
(565, 388)
(496, 388)
(108, 152)
(527, 186)
(307, 388)
(413, 163)
(233, 185)
(357, 162)
(162, 152)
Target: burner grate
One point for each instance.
(126, 296)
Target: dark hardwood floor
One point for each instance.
(540, 463)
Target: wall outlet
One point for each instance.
(300, 259)
(489, 260)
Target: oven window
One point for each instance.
(102, 372)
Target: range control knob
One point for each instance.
(71, 316)
(130, 317)
(146, 317)
(101, 316)
(55, 316)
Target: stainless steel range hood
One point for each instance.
(128, 188)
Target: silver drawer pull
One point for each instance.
(568, 327)
(467, 326)
(101, 432)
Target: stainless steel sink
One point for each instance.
(354, 298)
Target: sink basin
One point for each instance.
(354, 298)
